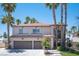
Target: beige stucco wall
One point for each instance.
(28, 30)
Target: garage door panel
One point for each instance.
(23, 44)
(37, 45)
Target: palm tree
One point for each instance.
(33, 20)
(54, 6)
(27, 20)
(8, 8)
(4, 35)
(18, 22)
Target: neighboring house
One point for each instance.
(75, 42)
(30, 36)
(2, 44)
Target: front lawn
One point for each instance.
(68, 52)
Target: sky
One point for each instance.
(40, 12)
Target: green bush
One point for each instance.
(69, 44)
(46, 43)
(60, 48)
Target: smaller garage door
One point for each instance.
(23, 44)
(37, 45)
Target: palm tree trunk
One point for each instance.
(8, 29)
(62, 26)
(8, 35)
(65, 8)
(54, 18)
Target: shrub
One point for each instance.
(46, 43)
(61, 49)
(69, 44)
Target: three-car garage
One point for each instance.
(27, 42)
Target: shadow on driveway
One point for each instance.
(16, 50)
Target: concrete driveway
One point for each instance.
(26, 52)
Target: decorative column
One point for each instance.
(52, 43)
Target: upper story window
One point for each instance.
(36, 30)
(21, 31)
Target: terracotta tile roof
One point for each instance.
(34, 24)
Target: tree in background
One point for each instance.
(30, 20)
(27, 20)
(73, 29)
(33, 20)
(5, 35)
(18, 21)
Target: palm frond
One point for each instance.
(56, 5)
(8, 19)
(4, 19)
(8, 7)
(50, 5)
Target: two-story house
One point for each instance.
(30, 36)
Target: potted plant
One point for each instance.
(46, 45)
